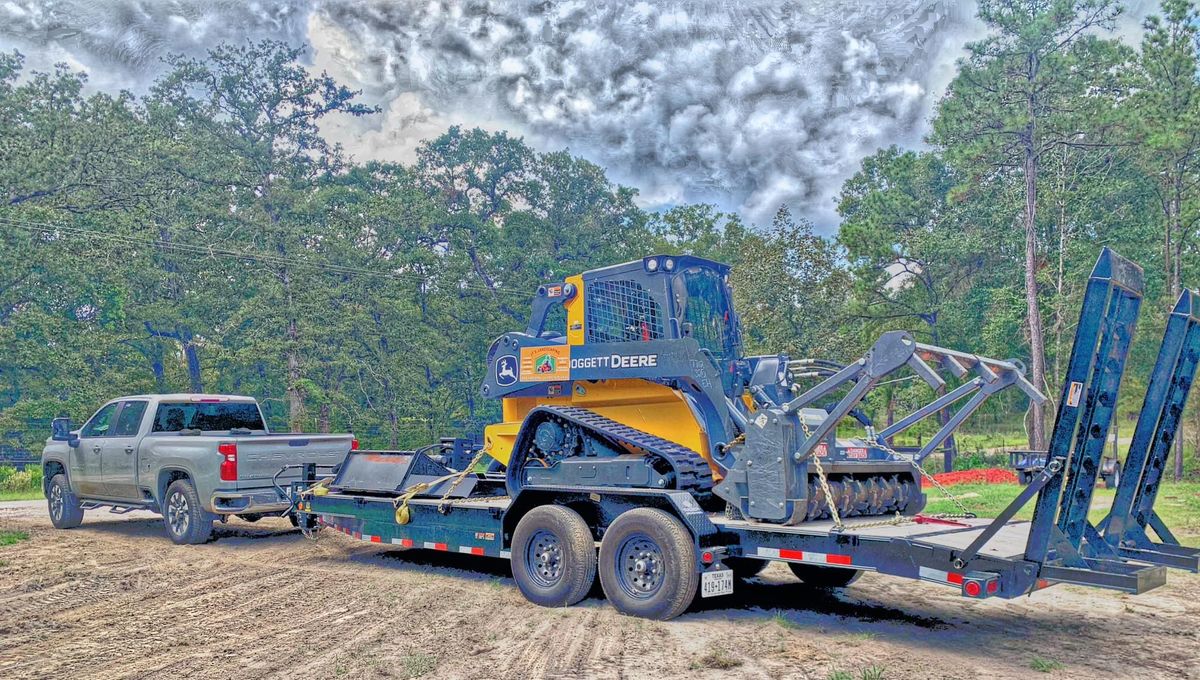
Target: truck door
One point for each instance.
(119, 452)
(86, 476)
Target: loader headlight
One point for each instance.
(669, 264)
(651, 264)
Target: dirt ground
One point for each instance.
(115, 598)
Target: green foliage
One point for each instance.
(13, 481)
(207, 236)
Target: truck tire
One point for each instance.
(1114, 480)
(745, 567)
(648, 564)
(63, 505)
(553, 556)
(186, 520)
(824, 577)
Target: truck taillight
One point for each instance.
(228, 461)
(353, 444)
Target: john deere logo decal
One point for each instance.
(545, 364)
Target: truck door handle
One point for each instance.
(128, 449)
(95, 449)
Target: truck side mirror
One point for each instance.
(60, 429)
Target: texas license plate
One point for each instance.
(714, 583)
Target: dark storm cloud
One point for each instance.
(745, 104)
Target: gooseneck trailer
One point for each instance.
(571, 496)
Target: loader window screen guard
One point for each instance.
(707, 311)
(208, 417)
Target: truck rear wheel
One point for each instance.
(553, 556)
(824, 577)
(186, 520)
(65, 512)
(648, 564)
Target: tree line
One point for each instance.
(206, 236)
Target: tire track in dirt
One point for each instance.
(115, 599)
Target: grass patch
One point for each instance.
(13, 537)
(718, 659)
(1178, 504)
(1045, 665)
(783, 622)
(25, 495)
(868, 673)
(416, 664)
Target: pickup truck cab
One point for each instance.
(194, 458)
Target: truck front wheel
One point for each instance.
(648, 564)
(65, 512)
(186, 520)
(553, 556)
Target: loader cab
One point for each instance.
(663, 297)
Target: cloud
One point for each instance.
(745, 104)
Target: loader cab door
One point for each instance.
(707, 312)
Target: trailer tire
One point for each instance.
(745, 567)
(64, 506)
(824, 577)
(648, 564)
(553, 556)
(186, 521)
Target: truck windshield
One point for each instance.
(220, 417)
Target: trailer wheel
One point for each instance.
(648, 564)
(553, 556)
(745, 567)
(65, 512)
(824, 577)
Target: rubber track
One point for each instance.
(692, 472)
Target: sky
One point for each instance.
(747, 105)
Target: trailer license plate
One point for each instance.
(714, 583)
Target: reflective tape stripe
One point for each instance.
(804, 556)
(435, 546)
(470, 550)
(403, 542)
(506, 554)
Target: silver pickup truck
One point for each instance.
(194, 458)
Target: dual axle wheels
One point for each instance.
(647, 561)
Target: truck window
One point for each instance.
(207, 417)
(129, 421)
(98, 426)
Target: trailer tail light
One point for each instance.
(353, 444)
(980, 588)
(228, 453)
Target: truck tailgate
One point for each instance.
(259, 458)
